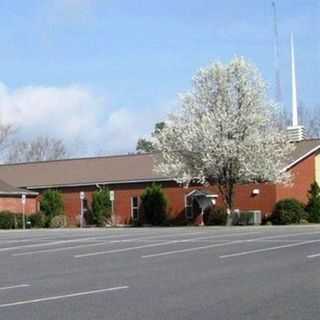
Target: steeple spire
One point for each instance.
(295, 132)
(294, 86)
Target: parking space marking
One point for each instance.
(15, 287)
(53, 243)
(46, 244)
(61, 297)
(191, 249)
(312, 256)
(157, 237)
(244, 253)
(91, 254)
(28, 253)
(287, 235)
(261, 239)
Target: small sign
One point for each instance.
(23, 199)
(111, 193)
(82, 195)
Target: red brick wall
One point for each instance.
(14, 204)
(244, 200)
(175, 194)
(303, 175)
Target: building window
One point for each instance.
(135, 208)
(188, 207)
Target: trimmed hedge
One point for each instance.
(313, 206)
(37, 220)
(288, 211)
(215, 217)
(7, 220)
(58, 221)
(154, 205)
(101, 207)
(51, 204)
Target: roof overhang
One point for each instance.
(19, 193)
(95, 183)
(306, 155)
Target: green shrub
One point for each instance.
(215, 217)
(177, 221)
(51, 204)
(37, 220)
(7, 220)
(304, 221)
(313, 205)
(18, 220)
(101, 207)
(59, 221)
(135, 223)
(288, 211)
(154, 205)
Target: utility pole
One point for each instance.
(23, 201)
(82, 197)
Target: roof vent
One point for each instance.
(295, 133)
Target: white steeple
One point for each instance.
(295, 132)
(294, 86)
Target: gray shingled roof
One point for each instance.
(302, 149)
(85, 171)
(110, 169)
(7, 189)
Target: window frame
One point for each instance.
(133, 208)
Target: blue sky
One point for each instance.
(100, 73)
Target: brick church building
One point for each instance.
(129, 175)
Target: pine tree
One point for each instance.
(313, 206)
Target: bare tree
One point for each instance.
(7, 132)
(39, 149)
(310, 118)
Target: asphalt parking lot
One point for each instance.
(161, 273)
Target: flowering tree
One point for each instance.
(225, 132)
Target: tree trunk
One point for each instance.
(227, 192)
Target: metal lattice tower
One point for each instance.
(278, 91)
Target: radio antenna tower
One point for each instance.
(278, 91)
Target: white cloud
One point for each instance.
(78, 115)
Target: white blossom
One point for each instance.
(225, 132)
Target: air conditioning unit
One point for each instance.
(256, 217)
(250, 217)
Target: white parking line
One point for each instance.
(155, 245)
(191, 249)
(91, 254)
(28, 253)
(287, 235)
(15, 287)
(261, 239)
(244, 253)
(46, 244)
(53, 243)
(157, 237)
(312, 256)
(66, 296)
